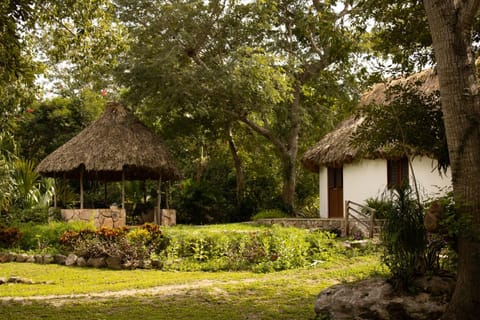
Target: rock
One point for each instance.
(81, 262)
(114, 263)
(22, 257)
(3, 280)
(376, 299)
(11, 257)
(71, 259)
(3, 257)
(96, 262)
(59, 259)
(47, 259)
(30, 259)
(436, 285)
(38, 258)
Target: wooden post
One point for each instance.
(64, 182)
(167, 193)
(123, 189)
(159, 201)
(346, 213)
(54, 192)
(81, 188)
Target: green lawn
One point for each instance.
(83, 293)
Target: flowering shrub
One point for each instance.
(132, 246)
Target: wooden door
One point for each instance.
(335, 192)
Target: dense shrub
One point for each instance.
(40, 237)
(130, 245)
(185, 248)
(408, 250)
(18, 216)
(265, 250)
(381, 205)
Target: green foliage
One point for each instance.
(131, 246)
(270, 214)
(407, 251)
(400, 32)
(270, 249)
(404, 238)
(40, 237)
(216, 248)
(53, 122)
(381, 205)
(270, 71)
(410, 123)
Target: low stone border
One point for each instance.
(114, 263)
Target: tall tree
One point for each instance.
(453, 29)
(269, 65)
(451, 25)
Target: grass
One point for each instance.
(180, 295)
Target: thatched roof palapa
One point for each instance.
(335, 149)
(115, 144)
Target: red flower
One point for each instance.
(30, 110)
(104, 92)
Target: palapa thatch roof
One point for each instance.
(335, 149)
(116, 141)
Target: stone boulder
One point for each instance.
(60, 259)
(71, 259)
(114, 263)
(81, 262)
(96, 262)
(376, 299)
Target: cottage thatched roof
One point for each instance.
(116, 141)
(335, 149)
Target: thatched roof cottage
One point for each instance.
(347, 173)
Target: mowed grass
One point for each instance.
(181, 295)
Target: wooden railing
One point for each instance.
(357, 212)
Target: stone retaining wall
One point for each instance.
(108, 218)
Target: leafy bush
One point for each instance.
(264, 250)
(381, 205)
(41, 237)
(270, 214)
(408, 251)
(131, 246)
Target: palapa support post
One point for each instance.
(64, 183)
(81, 187)
(55, 192)
(123, 189)
(158, 215)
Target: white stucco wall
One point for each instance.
(368, 179)
(323, 192)
(430, 182)
(364, 179)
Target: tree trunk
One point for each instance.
(239, 174)
(450, 24)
